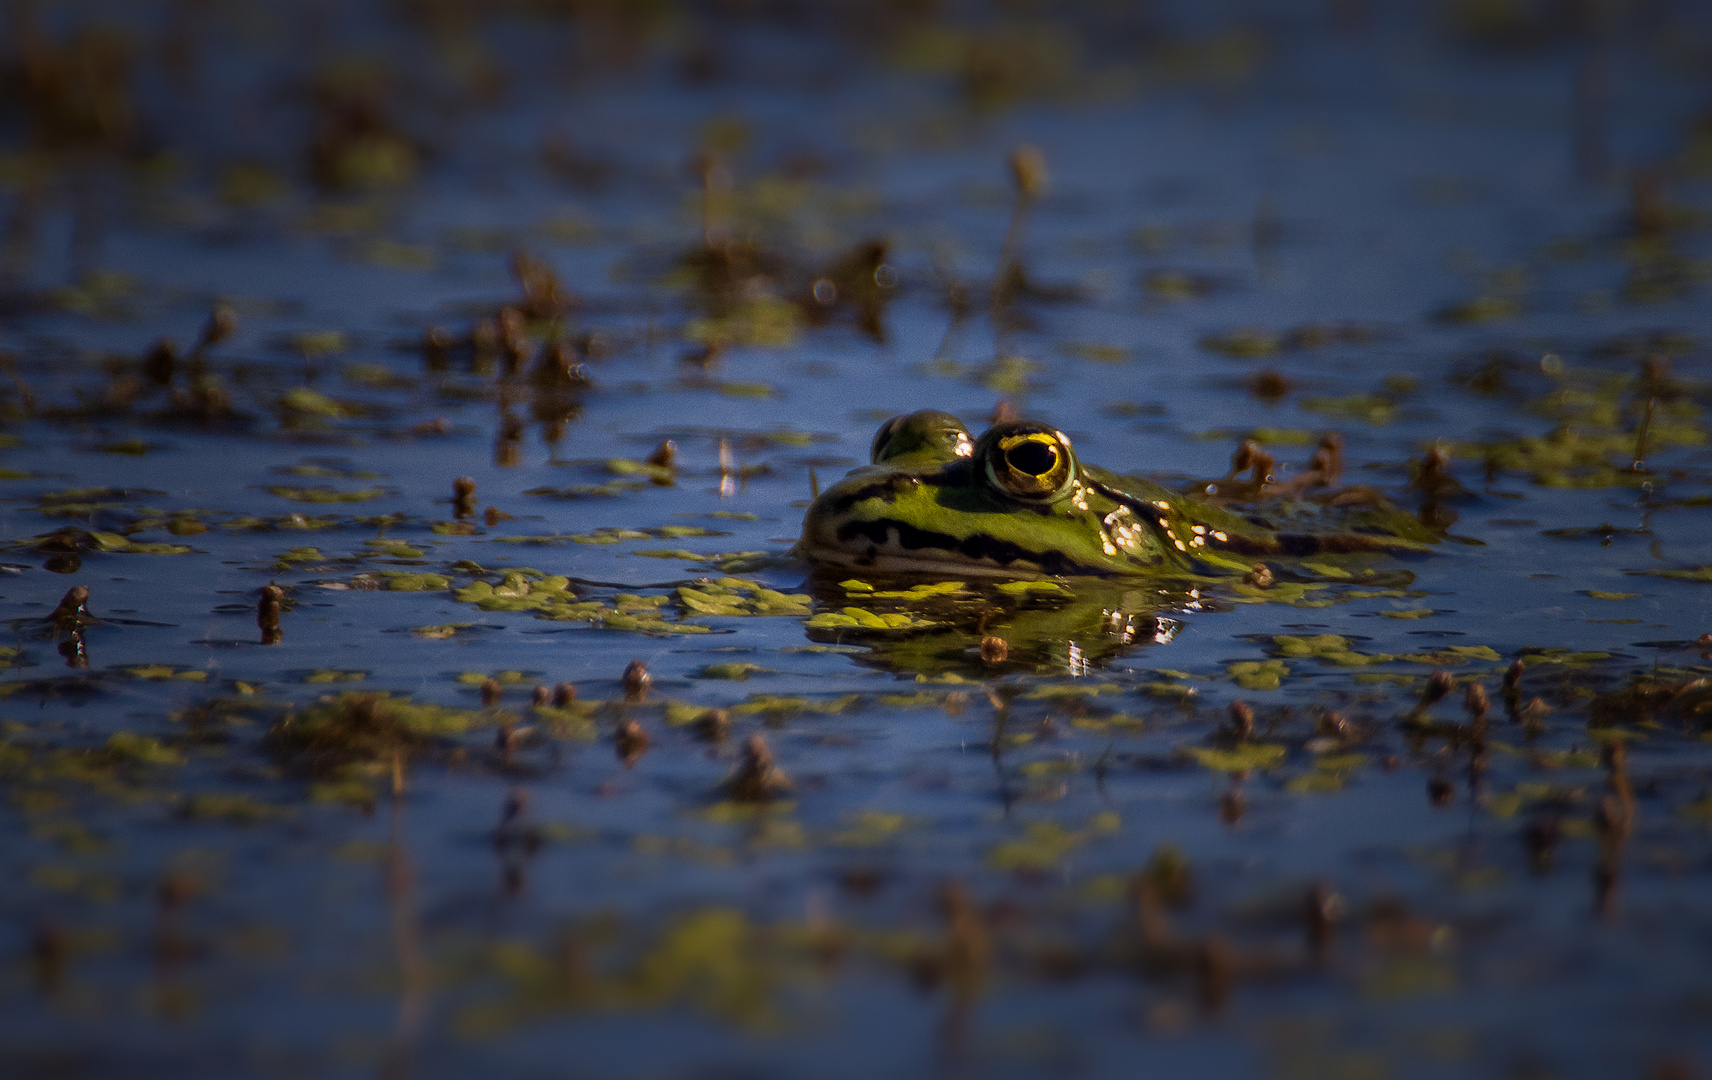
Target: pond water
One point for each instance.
(411, 813)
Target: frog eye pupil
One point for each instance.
(1033, 458)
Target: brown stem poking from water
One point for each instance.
(1233, 803)
(962, 961)
(636, 681)
(711, 168)
(712, 726)
(1241, 727)
(508, 441)
(463, 498)
(1513, 691)
(1322, 910)
(630, 741)
(758, 778)
(1439, 684)
(1614, 819)
(1642, 437)
(73, 609)
(268, 610)
(1030, 178)
(413, 967)
(1000, 697)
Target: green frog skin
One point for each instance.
(1017, 503)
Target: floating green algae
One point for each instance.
(1699, 573)
(737, 672)
(1244, 758)
(165, 671)
(325, 494)
(441, 631)
(1327, 649)
(361, 729)
(401, 581)
(739, 596)
(551, 596)
(1258, 674)
(861, 619)
(503, 882)
(1045, 845)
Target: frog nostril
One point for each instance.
(1033, 458)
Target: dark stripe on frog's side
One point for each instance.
(1270, 543)
(976, 546)
(885, 491)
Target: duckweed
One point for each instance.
(1327, 649)
(950, 855)
(325, 494)
(861, 619)
(738, 672)
(1258, 674)
(739, 596)
(1245, 758)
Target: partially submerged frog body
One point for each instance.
(1017, 503)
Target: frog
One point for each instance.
(1017, 502)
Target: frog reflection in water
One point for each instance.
(1018, 504)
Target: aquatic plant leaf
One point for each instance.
(1246, 343)
(612, 489)
(772, 705)
(673, 553)
(868, 828)
(441, 632)
(138, 749)
(1258, 674)
(1043, 846)
(395, 549)
(305, 401)
(1454, 655)
(659, 474)
(157, 672)
(332, 675)
(1699, 573)
(1326, 648)
(740, 596)
(232, 809)
(334, 738)
(1032, 588)
(400, 581)
(324, 494)
(735, 671)
(760, 322)
(1096, 352)
(1366, 408)
(923, 591)
(861, 619)
(1244, 758)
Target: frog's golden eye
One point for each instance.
(1027, 461)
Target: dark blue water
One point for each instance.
(195, 898)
